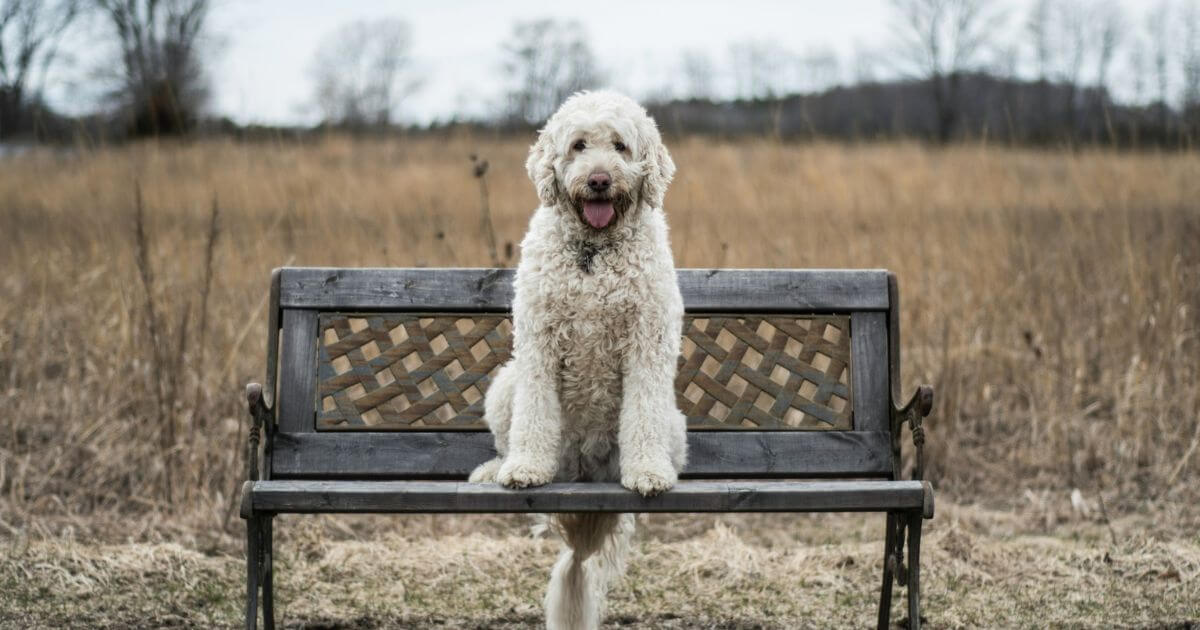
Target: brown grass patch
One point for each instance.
(1052, 299)
(724, 576)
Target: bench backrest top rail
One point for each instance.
(490, 290)
(325, 434)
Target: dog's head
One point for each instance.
(599, 157)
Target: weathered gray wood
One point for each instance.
(688, 496)
(399, 289)
(452, 455)
(490, 290)
(268, 573)
(869, 351)
(914, 571)
(298, 372)
(253, 541)
(893, 316)
(782, 290)
(884, 617)
(273, 315)
(713, 454)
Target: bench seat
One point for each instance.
(424, 497)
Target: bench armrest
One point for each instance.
(261, 416)
(913, 412)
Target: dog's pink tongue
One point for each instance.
(598, 213)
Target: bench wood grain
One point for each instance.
(490, 290)
(453, 454)
(688, 496)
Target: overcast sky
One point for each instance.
(260, 50)
(457, 43)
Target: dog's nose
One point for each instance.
(599, 182)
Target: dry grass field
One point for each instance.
(1052, 298)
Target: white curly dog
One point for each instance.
(589, 392)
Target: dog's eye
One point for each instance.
(619, 146)
(579, 145)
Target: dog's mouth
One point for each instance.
(601, 212)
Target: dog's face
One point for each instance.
(599, 157)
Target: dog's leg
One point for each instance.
(487, 471)
(535, 429)
(652, 432)
(497, 413)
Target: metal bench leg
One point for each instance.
(885, 594)
(914, 570)
(253, 536)
(268, 591)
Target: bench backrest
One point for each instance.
(382, 372)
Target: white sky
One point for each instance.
(457, 43)
(261, 49)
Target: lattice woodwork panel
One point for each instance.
(407, 371)
(420, 372)
(766, 373)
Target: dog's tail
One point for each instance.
(596, 546)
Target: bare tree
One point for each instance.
(547, 61)
(696, 69)
(1158, 33)
(1005, 60)
(1038, 27)
(1189, 50)
(1073, 36)
(864, 64)
(819, 69)
(29, 36)
(942, 40)
(760, 68)
(1089, 32)
(1110, 32)
(1138, 68)
(1071, 40)
(363, 71)
(1108, 23)
(161, 82)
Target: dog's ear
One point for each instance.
(540, 167)
(658, 167)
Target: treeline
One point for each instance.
(989, 108)
(1063, 71)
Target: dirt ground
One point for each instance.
(981, 568)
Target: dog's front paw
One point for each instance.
(524, 474)
(650, 481)
(486, 472)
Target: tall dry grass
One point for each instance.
(1050, 297)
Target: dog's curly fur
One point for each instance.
(589, 393)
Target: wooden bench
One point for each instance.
(375, 382)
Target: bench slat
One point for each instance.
(870, 371)
(490, 290)
(687, 496)
(298, 370)
(452, 455)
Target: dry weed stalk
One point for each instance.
(158, 361)
(480, 171)
(199, 417)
